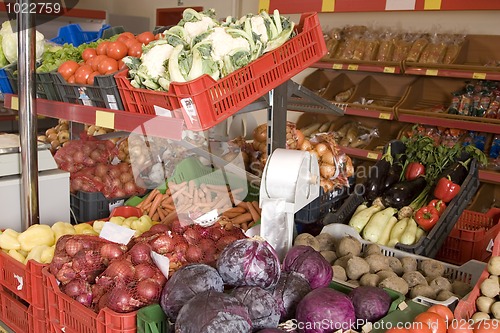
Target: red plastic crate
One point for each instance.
(25, 281)
(470, 237)
(204, 102)
(466, 307)
(69, 316)
(19, 315)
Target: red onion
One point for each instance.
(65, 274)
(177, 227)
(163, 244)
(140, 253)
(78, 157)
(76, 287)
(225, 241)
(123, 167)
(129, 188)
(85, 299)
(215, 233)
(111, 251)
(101, 170)
(207, 246)
(192, 236)
(148, 291)
(144, 271)
(126, 177)
(120, 269)
(194, 254)
(159, 228)
(72, 246)
(121, 300)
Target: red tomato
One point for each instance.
(460, 326)
(88, 53)
(145, 37)
(135, 50)
(443, 311)
(419, 328)
(121, 64)
(127, 34)
(82, 74)
(68, 68)
(122, 38)
(117, 50)
(130, 41)
(102, 48)
(107, 65)
(71, 79)
(436, 323)
(97, 60)
(487, 326)
(90, 79)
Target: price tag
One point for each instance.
(116, 233)
(352, 67)
(431, 72)
(389, 69)
(162, 262)
(105, 119)
(14, 103)
(489, 248)
(384, 115)
(402, 306)
(372, 156)
(479, 76)
(337, 66)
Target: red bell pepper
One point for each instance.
(439, 205)
(446, 189)
(427, 217)
(414, 170)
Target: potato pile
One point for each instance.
(57, 135)
(370, 267)
(488, 303)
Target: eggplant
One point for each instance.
(376, 178)
(457, 172)
(393, 176)
(403, 193)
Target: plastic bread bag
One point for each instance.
(333, 39)
(402, 46)
(386, 46)
(454, 44)
(417, 48)
(372, 44)
(435, 50)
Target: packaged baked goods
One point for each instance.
(435, 50)
(416, 48)
(372, 44)
(333, 38)
(386, 46)
(402, 46)
(454, 44)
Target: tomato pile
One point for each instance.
(440, 319)
(104, 59)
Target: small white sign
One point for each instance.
(162, 262)
(190, 108)
(116, 233)
(159, 111)
(400, 5)
(207, 219)
(489, 248)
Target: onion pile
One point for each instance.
(78, 154)
(114, 181)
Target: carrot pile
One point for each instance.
(188, 196)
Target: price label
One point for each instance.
(105, 119)
(384, 115)
(372, 156)
(352, 67)
(389, 69)
(337, 66)
(431, 72)
(14, 103)
(479, 76)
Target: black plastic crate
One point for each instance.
(103, 94)
(430, 244)
(45, 87)
(89, 206)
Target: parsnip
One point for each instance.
(359, 220)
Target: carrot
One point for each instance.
(148, 198)
(155, 204)
(230, 215)
(246, 217)
(253, 212)
(170, 217)
(236, 210)
(155, 217)
(256, 206)
(244, 226)
(242, 204)
(168, 207)
(161, 213)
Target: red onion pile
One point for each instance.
(78, 154)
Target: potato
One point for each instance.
(489, 287)
(349, 245)
(355, 283)
(444, 295)
(384, 274)
(308, 240)
(356, 267)
(494, 266)
(440, 283)
(432, 268)
(395, 265)
(372, 249)
(395, 283)
(326, 242)
(414, 278)
(423, 290)
(484, 303)
(369, 279)
(409, 264)
(330, 256)
(339, 273)
(478, 316)
(377, 262)
(495, 310)
(342, 261)
(460, 288)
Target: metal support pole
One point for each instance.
(27, 116)
(276, 118)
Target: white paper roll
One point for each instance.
(283, 170)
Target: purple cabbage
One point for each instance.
(185, 283)
(262, 306)
(249, 262)
(325, 310)
(213, 312)
(289, 291)
(370, 303)
(310, 263)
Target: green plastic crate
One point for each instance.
(152, 319)
(399, 317)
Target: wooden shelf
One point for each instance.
(366, 6)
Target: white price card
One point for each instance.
(162, 262)
(116, 233)
(159, 111)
